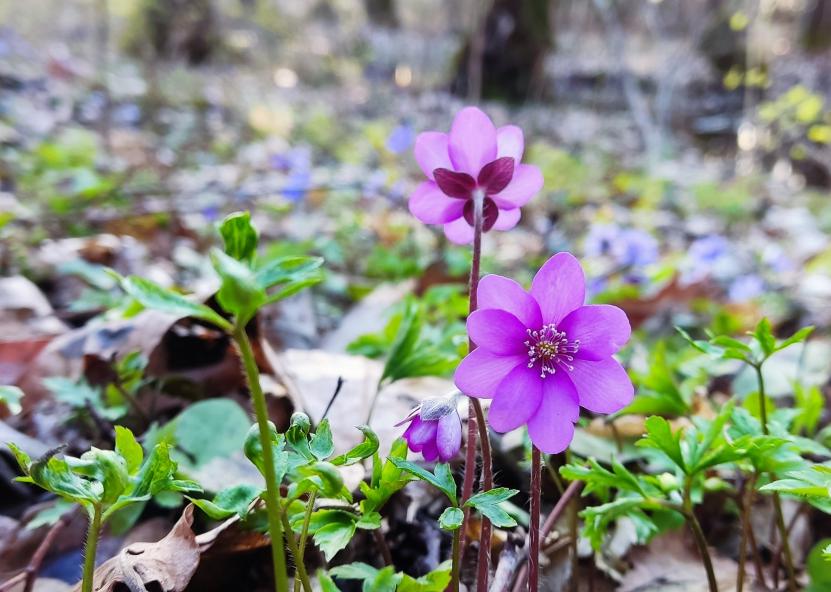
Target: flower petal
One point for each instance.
(507, 219)
(453, 184)
(516, 400)
(603, 387)
(472, 141)
(502, 293)
(497, 331)
(602, 330)
(481, 371)
(431, 152)
(559, 287)
(430, 452)
(449, 436)
(496, 175)
(510, 142)
(431, 206)
(419, 433)
(551, 429)
(525, 184)
(459, 231)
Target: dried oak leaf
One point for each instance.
(168, 564)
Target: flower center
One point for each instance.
(550, 348)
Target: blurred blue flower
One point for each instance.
(401, 138)
(375, 183)
(629, 247)
(709, 249)
(211, 213)
(296, 186)
(745, 288)
(295, 159)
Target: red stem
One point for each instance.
(534, 532)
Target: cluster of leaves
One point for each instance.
(246, 282)
(386, 579)
(105, 481)
(305, 460)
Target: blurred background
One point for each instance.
(686, 148)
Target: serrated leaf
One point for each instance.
(659, 436)
(254, 452)
(153, 296)
(451, 518)
(488, 504)
(442, 479)
(334, 536)
(321, 443)
(228, 502)
(240, 236)
(435, 581)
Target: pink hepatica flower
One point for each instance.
(475, 159)
(435, 429)
(544, 354)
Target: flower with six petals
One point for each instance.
(543, 354)
(476, 160)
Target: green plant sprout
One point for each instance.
(104, 482)
(246, 285)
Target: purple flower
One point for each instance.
(474, 159)
(544, 354)
(401, 138)
(745, 287)
(629, 247)
(435, 429)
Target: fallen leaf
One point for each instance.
(167, 565)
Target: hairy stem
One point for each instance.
(272, 488)
(777, 503)
(483, 565)
(304, 533)
(90, 546)
(698, 534)
(470, 451)
(534, 532)
(299, 566)
(454, 570)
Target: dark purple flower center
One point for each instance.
(550, 348)
(492, 179)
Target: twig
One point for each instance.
(30, 572)
(534, 530)
(382, 545)
(338, 388)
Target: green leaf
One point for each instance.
(108, 468)
(153, 296)
(10, 396)
(797, 337)
(451, 518)
(77, 394)
(228, 502)
(810, 403)
(23, 459)
(435, 581)
(240, 236)
(254, 451)
(297, 436)
(321, 444)
(385, 581)
(209, 429)
(363, 450)
(763, 334)
(239, 294)
(598, 518)
(335, 535)
(600, 480)
(442, 479)
(354, 571)
(325, 477)
(404, 344)
(129, 449)
(488, 503)
(817, 566)
(288, 270)
(327, 584)
(660, 437)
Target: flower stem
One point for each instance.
(90, 547)
(777, 503)
(534, 532)
(455, 568)
(483, 565)
(698, 534)
(272, 488)
(299, 566)
(473, 404)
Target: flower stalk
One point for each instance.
(534, 528)
(698, 534)
(272, 500)
(90, 546)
